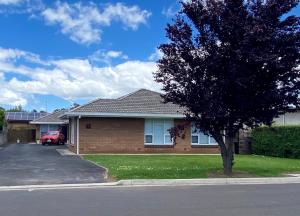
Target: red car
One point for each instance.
(53, 137)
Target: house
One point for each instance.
(135, 123)
(244, 136)
(51, 122)
(18, 126)
(289, 118)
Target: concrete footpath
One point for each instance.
(162, 182)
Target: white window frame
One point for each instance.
(152, 134)
(198, 133)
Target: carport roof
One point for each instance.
(52, 118)
(141, 103)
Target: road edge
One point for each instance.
(160, 182)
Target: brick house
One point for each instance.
(135, 123)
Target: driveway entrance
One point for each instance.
(28, 164)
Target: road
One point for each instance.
(227, 200)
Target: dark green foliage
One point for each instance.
(18, 108)
(2, 115)
(281, 141)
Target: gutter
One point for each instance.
(48, 123)
(124, 115)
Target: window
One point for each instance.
(157, 132)
(45, 128)
(199, 138)
(53, 127)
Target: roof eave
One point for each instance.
(123, 115)
(48, 123)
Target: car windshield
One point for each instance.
(53, 133)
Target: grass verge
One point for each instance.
(189, 166)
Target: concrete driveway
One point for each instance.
(27, 164)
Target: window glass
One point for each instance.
(148, 139)
(44, 128)
(195, 139)
(168, 139)
(203, 138)
(168, 126)
(148, 126)
(53, 127)
(212, 140)
(199, 138)
(157, 131)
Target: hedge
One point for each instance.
(277, 141)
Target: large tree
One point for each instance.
(231, 64)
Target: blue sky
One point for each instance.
(55, 53)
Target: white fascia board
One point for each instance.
(124, 115)
(48, 123)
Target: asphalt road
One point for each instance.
(238, 200)
(26, 164)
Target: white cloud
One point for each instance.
(71, 79)
(9, 96)
(113, 54)
(106, 57)
(15, 54)
(10, 2)
(155, 55)
(170, 11)
(83, 22)
(21, 6)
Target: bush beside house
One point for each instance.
(279, 141)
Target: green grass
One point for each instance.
(189, 166)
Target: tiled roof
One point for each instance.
(23, 116)
(142, 101)
(52, 118)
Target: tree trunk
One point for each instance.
(227, 155)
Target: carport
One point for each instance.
(51, 122)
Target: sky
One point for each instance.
(56, 53)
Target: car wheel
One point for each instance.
(43, 143)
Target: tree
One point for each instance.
(74, 105)
(231, 64)
(2, 116)
(18, 108)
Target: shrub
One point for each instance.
(277, 141)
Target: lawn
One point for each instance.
(189, 166)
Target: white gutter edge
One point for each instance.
(125, 115)
(50, 123)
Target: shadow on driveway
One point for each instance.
(28, 164)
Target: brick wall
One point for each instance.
(126, 135)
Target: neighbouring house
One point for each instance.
(244, 137)
(51, 122)
(290, 118)
(18, 126)
(135, 123)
